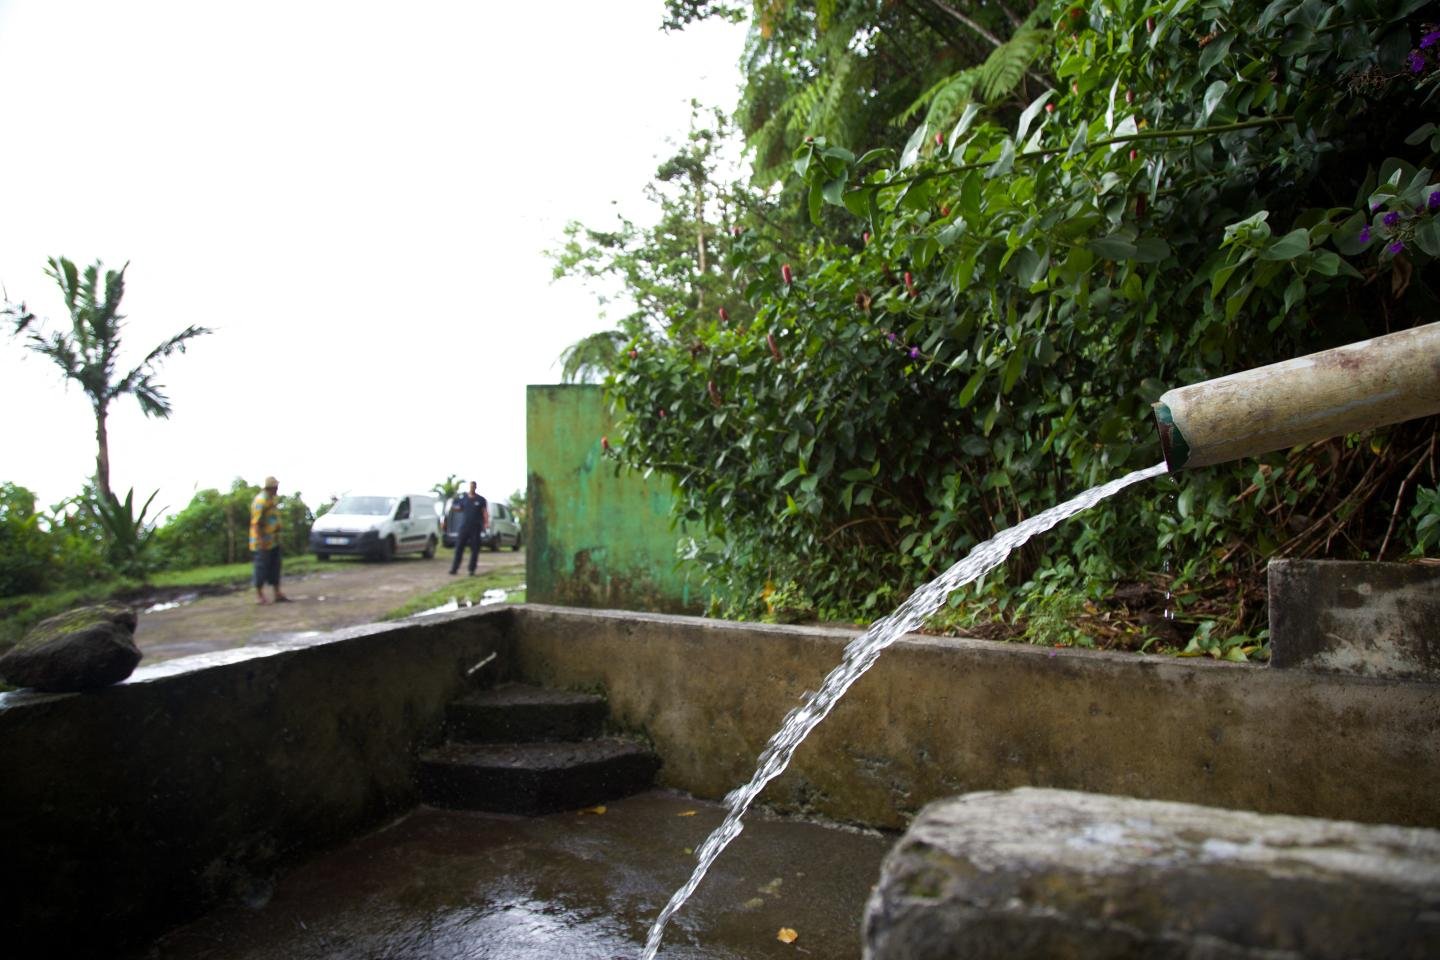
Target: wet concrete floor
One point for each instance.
(460, 885)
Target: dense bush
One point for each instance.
(77, 544)
(1205, 187)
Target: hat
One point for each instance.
(271, 483)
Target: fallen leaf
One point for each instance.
(754, 903)
(687, 813)
(689, 850)
(773, 887)
(786, 935)
(597, 809)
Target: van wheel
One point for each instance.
(387, 549)
(495, 543)
(429, 553)
(516, 546)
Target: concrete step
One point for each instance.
(516, 712)
(535, 778)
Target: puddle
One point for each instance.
(180, 601)
(490, 597)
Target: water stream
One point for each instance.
(860, 654)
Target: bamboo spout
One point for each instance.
(1355, 387)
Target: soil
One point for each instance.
(343, 594)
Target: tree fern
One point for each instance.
(1003, 70)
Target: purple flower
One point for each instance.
(1434, 202)
(1365, 233)
(1430, 39)
(914, 353)
(890, 337)
(1390, 219)
(1395, 246)
(1416, 61)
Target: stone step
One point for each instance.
(515, 712)
(535, 778)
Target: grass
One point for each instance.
(467, 590)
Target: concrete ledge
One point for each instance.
(1049, 873)
(134, 807)
(939, 717)
(1366, 619)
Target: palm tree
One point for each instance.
(86, 353)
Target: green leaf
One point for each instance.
(911, 153)
(967, 117)
(1077, 145)
(1150, 250)
(834, 191)
(1288, 247)
(1213, 95)
(858, 201)
(1004, 163)
(1030, 113)
(1427, 236)
(1113, 247)
(1214, 52)
(972, 386)
(975, 446)
(817, 201)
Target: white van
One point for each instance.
(378, 527)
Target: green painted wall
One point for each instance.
(595, 538)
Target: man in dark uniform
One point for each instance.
(474, 518)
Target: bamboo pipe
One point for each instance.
(1351, 388)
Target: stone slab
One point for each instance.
(1363, 619)
(1053, 873)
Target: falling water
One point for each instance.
(860, 654)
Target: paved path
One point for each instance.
(343, 594)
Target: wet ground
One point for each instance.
(447, 885)
(345, 593)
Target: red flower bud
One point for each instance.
(1134, 153)
(714, 392)
(1049, 108)
(939, 139)
(724, 315)
(662, 413)
(770, 342)
(944, 210)
(634, 354)
(909, 283)
(735, 230)
(1149, 24)
(605, 444)
(1074, 86)
(865, 238)
(809, 139)
(1129, 96)
(786, 274)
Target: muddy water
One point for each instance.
(453, 884)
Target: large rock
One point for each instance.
(1051, 873)
(77, 650)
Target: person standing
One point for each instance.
(474, 517)
(265, 540)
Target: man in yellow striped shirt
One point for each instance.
(265, 540)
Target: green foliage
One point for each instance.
(26, 550)
(520, 506)
(1219, 190)
(128, 535)
(214, 528)
(1426, 516)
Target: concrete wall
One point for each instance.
(595, 537)
(134, 807)
(939, 717)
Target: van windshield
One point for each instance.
(364, 506)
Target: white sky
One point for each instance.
(356, 196)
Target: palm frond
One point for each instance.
(590, 358)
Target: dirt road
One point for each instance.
(343, 594)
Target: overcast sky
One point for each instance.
(355, 195)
